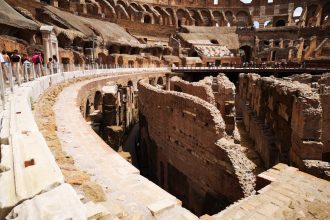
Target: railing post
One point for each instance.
(10, 74)
(18, 75)
(25, 73)
(33, 72)
(2, 87)
(39, 70)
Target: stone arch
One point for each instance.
(147, 19)
(113, 49)
(256, 24)
(280, 23)
(197, 16)
(166, 17)
(171, 12)
(121, 12)
(131, 63)
(123, 3)
(206, 17)
(63, 40)
(229, 17)
(160, 81)
(135, 6)
(242, 18)
(297, 12)
(311, 19)
(218, 17)
(120, 61)
(78, 42)
(247, 55)
(98, 100)
(325, 18)
(183, 17)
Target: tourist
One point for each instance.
(55, 64)
(16, 64)
(37, 61)
(50, 66)
(27, 67)
(5, 64)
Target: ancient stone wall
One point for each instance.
(201, 89)
(185, 150)
(284, 118)
(224, 92)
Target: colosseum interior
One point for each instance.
(155, 109)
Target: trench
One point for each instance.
(116, 120)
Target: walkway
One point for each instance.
(128, 193)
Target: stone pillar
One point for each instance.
(48, 39)
(168, 85)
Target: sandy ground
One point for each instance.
(45, 118)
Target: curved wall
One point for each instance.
(186, 152)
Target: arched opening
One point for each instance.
(98, 101)
(160, 81)
(87, 111)
(46, 1)
(64, 41)
(147, 19)
(194, 54)
(297, 12)
(131, 63)
(311, 15)
(273, 56)
(229, 16)
(256, 24)
(130, 83)
(267, 23)
(213, 41)
(280, 23)
(177, 88)
(246, 53)
(325, 19)
(242, 19)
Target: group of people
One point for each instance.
(23, 66)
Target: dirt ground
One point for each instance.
(45, 118)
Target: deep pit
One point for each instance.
(206, 172)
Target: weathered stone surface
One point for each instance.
(59, 203)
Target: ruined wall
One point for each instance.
(224, 92)
(283, 117)
(185, 152)
(201, 89)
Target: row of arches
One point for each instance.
(149, 14)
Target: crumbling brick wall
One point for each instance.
(284, 118)
(184, 150)
(201, 89)
(224, 92)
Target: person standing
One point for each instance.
(37, 61)
(55, 64)
(27, 67)
(16, 64)
(50, 66)
(6, 64)
(3, 66)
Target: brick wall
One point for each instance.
(284, 118)
(183, 149)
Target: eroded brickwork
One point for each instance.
(183, 136)
(286, 119)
